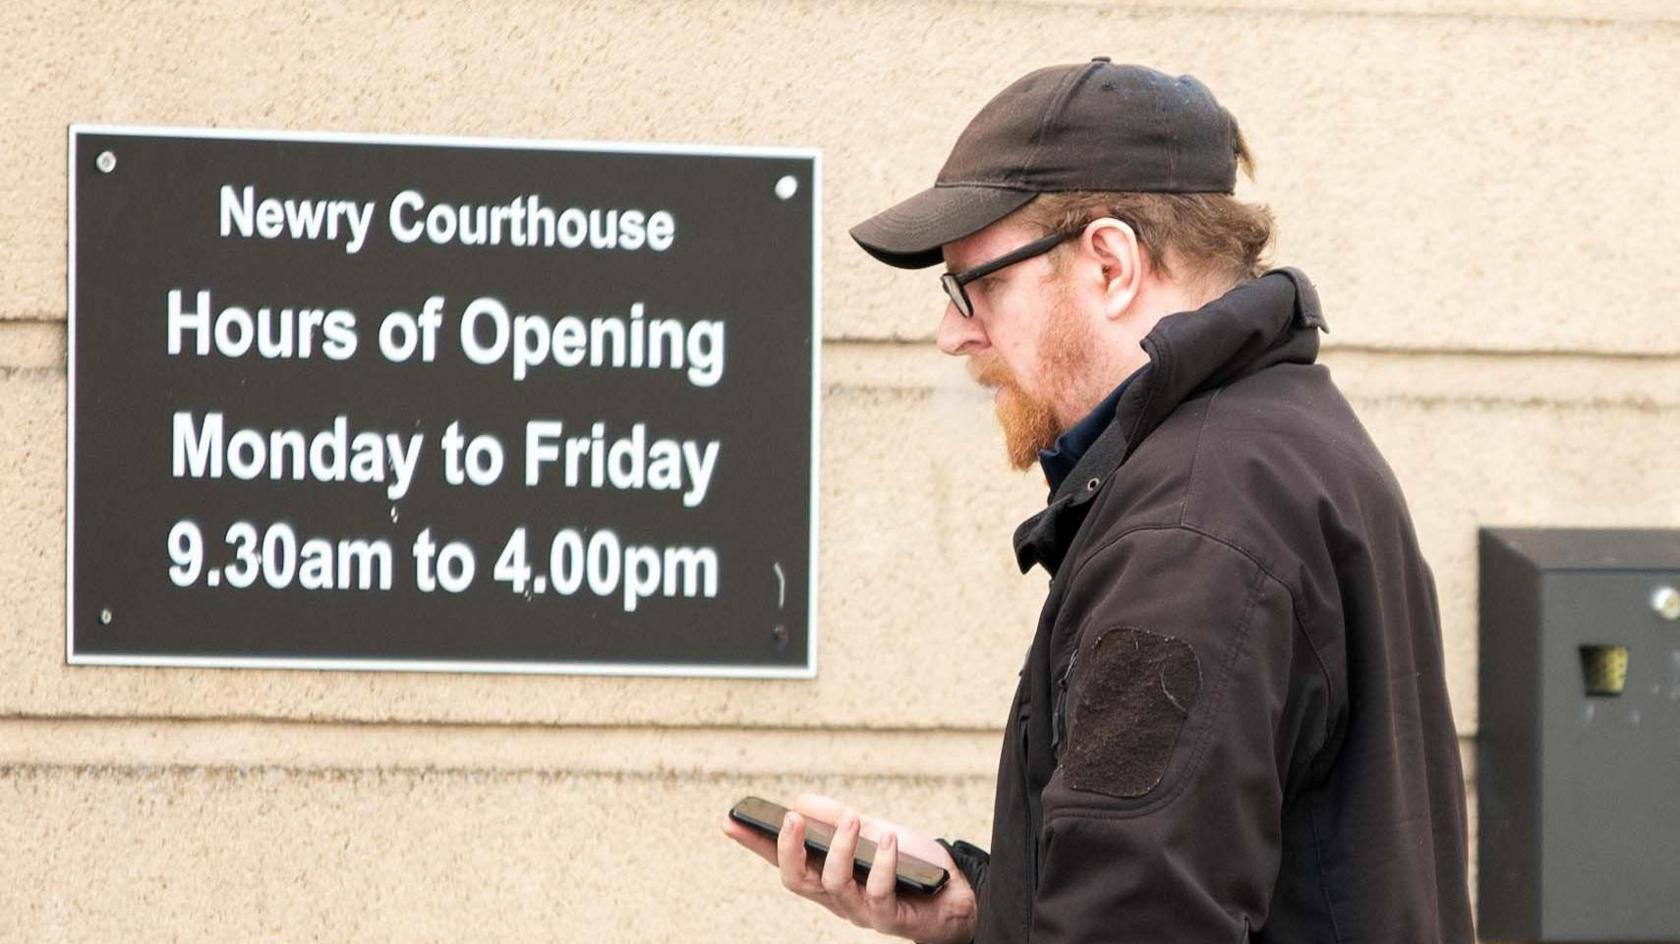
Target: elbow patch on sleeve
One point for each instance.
(1137, 690)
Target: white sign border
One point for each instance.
(664, 670)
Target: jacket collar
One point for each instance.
(1273, 319)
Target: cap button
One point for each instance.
(1101, 59)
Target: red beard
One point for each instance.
(1066, 357)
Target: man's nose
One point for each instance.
(959, 336)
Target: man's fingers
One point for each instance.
(829, 810)
(837, 867)
(790, 857)
(878, 890)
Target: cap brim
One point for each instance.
(909, 234)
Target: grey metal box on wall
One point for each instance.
(1578, 751)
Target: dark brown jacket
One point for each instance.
(1233, 723)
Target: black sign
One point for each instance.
(421, 403)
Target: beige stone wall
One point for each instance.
(1480, 188)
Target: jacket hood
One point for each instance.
(1274, 319)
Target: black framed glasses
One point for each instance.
(955, 283)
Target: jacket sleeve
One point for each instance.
(1189, 701)
(972, 861)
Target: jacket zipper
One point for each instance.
(1059, 716)
(1031, 857)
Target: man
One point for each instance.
(1232, 724)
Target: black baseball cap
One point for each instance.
(1090, 126)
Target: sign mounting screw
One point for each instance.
(1666, 601)
(105, 616)
(787, 187)
(106, 162)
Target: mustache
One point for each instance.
(991, 372)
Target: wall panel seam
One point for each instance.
(233, 772)
(1472, 12)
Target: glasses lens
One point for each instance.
(959, 298)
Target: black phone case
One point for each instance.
(913, 874)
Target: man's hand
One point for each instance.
(946, 917)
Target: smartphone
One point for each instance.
(914, 875)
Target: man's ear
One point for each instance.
(1115, 245)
